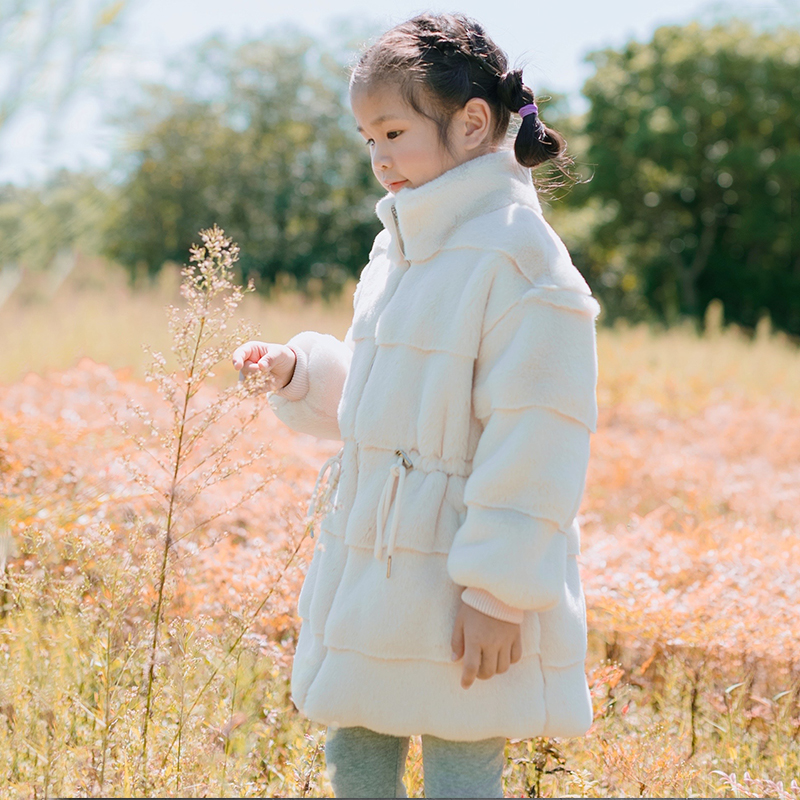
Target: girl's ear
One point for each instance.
(476, 123)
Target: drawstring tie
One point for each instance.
(321, 501)
(397, 474)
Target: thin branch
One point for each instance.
(208, 520)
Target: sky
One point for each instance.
(549, 39)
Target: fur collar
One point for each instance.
(429, 215)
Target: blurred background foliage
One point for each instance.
(46, 48)
(259, 140)
(694, 146)
(687, 157)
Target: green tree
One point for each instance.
(694, 145)
(262, 144)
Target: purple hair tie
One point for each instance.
(531, 108)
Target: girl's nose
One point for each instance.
(380, 159)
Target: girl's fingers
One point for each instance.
(516, 649)
(457, 639)
(472, 665)
(265, 363)
(241, 355)
(503, 660)
(247, 352)
(488, 664)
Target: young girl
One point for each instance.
(464, 395)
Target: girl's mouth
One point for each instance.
(395, 185)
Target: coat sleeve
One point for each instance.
(534, 392)
(309, 403)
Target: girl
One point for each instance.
(464, 395)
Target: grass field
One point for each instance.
(690, 553)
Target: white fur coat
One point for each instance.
(472, 350)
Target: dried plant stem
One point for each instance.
(3, 590)
(180, 738)
(227, 742)
(201, 339)
(107, 703)
(5, 547)
(305, 786)
(694, 695)
(162, 578)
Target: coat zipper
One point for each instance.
(399, 235)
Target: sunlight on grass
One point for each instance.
(683, 371)
(96, 314)
(688, 553)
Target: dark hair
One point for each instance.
(440, 62)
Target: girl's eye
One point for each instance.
(369, 142)
(393, 134)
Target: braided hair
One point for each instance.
(440, 62)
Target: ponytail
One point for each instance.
(535, 142)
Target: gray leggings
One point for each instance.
(362, 763)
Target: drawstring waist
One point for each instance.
(397, 475)
(321, 501)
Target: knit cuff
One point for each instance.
(488, 604)
(297, 388)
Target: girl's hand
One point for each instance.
(489, 645)
(277, 360)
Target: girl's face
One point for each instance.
(404, 146)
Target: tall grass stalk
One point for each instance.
(201, 340)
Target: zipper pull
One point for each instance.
(397, 228)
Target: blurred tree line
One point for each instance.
(259, 140)
(694, 144)
(689, 157)
(46, 49)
